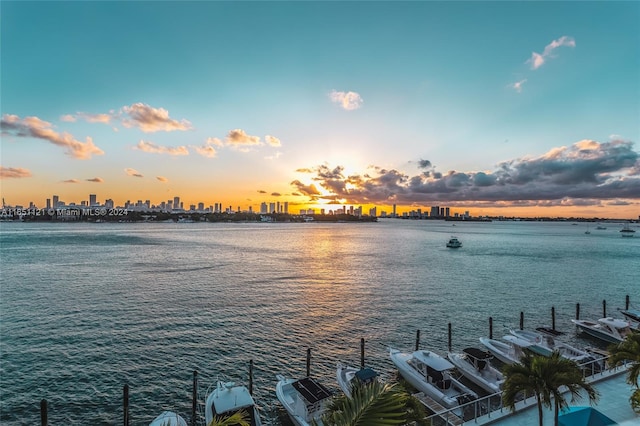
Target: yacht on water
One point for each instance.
(626, 231)
(227, 399)
(609, 329)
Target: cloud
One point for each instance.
(162, 179)
(538, 59)
(14, 172)
(151, 147)
(40, 129)
(149, 119)
(208, 150)
(261, 191)
(517, 86)
(584, 172)
(71, 181)
(95, 180)
(346, 100)
(132, 172)
(90, 118)
(272, 140)
(239, 138)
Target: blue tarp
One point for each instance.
(583, 416)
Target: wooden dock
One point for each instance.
(438, 409)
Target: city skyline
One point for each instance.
(502, 108)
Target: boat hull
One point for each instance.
(491, 381)
(500, 350)
(594, 332)
(168, 418)
(418, 381)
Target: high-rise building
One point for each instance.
(56, 201)
(201, 207)
(263, 208)
(286, 207)
(446, 211)
(48, 203)
(176, 202)
(92, 200)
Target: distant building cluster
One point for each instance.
(176, 205)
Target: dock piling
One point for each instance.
(362, 352)
(604, 308)
(43, 413)
(626, 303)
(449, 333)
(553, 318)
(194, 398)
(577, 311)
(521, 320)
(490, 327)
(251, 377)
(308, 362)
(125, 404)
(417, 340)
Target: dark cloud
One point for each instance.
(583, 173)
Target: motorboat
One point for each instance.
(609, 329)
(347, 376)
(508, 351)
(475, 365)
(305, 399)
(227, 399)
(545, 345)
(454, 243)
(168, 418)
(601, 228)
(626, 231)
(432, 374)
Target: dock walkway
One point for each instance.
(438, 409)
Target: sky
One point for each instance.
(500, 108)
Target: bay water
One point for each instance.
(86, 308)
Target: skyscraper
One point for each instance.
(92, 200)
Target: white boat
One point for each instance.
(545, 345)
(475, 365)
(346, 376)
(305, 399)
(626, 231)
(609, 329)
(168, 418)
(227, 399)
(454, 243)
(509, 351)
(432, 374)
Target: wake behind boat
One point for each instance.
(348, 376)
(430, 373)
(609, 329)
(305, 400)
(474, 364)
(228, 399)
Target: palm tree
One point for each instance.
(371, 404)
(524, 377)
(239, 418)
(563, 375)
(547, 379)
(629, 350)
